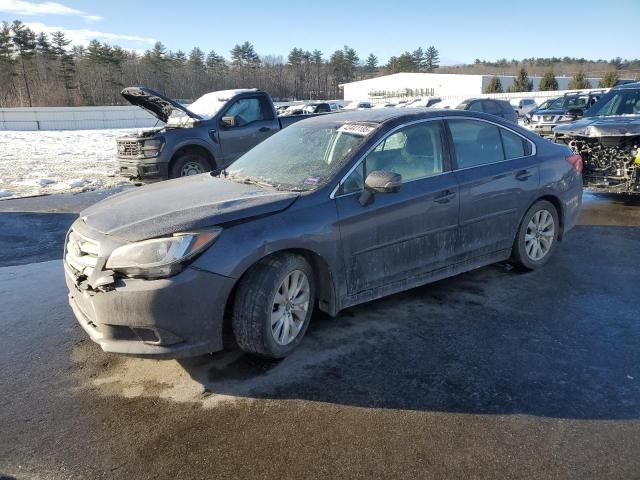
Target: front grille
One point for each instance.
(81, 254)
(548, 118)
(129, 148)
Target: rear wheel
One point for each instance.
(537, 236)
(273, 306)
(189, 164)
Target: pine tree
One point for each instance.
(25, 43)
(419, 59)
(215, 61)
(579, 81)
(494, 86)
(548, 82)
(7, 61)
(609, 80)
(521, 83)
(196, 59)
(432, 59)
(371, 63)
(66, 65)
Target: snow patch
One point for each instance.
(41, 162)
(6, 193)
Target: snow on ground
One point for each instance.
(35, 163)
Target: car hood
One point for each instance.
(615, 126)
(184, 204)
(155, 103)
(555, 111)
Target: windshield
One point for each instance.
(300, 157)
(569, 102)
(616, 102)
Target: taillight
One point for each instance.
(576, 161)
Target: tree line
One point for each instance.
(37, 69)
(549, 82)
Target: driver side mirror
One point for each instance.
(228, 122)
(380, 181)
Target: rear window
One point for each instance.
(491, 107)
(506, 107)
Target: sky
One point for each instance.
(462, 30)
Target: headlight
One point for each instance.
(160, 257)
(567, 118)
(153, 147)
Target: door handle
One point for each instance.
(445, 197)
(264, 129)
(523, 175)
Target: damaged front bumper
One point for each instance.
(170, 317)
(175, 317)
(143, 170)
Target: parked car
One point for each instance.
(523, 106)
(423, 102)
(317, 108)
(608, 139)
(330, 212)
(211, 133)
(387, 105)
(565, 109)
(358, 106)
(543, 106)
(499, 108)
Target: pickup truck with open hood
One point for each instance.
(608, 139)
(209, 134)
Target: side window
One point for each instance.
(475, 107)
(475, 143)
(513, 144)
(491, 107)
(246, 110)
(413, 152)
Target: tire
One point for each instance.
(262, 322)
(189, 164)
(537, 236)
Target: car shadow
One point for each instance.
(558, 342)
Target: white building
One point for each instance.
(401, 85)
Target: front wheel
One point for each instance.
(537, 236)
(273, 306)
(189, 164)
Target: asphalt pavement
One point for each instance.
(491, 374)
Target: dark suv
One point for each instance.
(565, 109)
(499, 108)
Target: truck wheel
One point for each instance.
(189, 164)
(537, 236)
(273, 306)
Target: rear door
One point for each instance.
(498, 177)
(254, 123)
(404, 234)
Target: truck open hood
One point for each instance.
(155, 103)
(180, 205)
(597, 127)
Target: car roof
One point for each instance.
(384, 115)
(626, 86)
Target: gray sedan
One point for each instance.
(328, 213)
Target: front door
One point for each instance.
(254, 123)
(406, 233)
(498, 178)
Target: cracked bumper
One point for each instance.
(167, 318)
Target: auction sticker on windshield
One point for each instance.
(354, 129)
